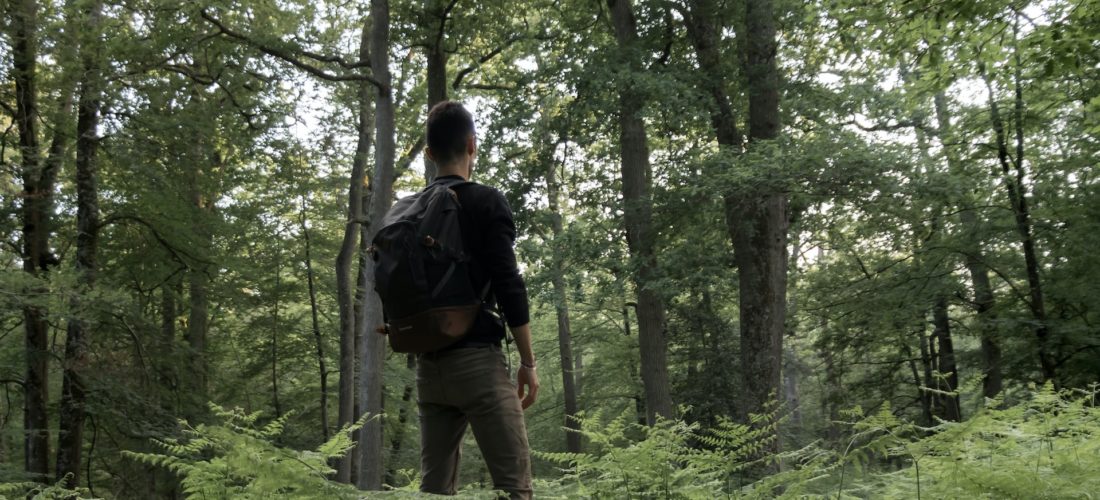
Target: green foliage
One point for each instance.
(672, 459)
(1047, 447)
(39, 491)
(237, 459)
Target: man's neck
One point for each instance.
(452, 170)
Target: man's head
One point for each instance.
(450, 135)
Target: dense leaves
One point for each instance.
(939, 158)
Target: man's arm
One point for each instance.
(526, 375)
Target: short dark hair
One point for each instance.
(449, 125)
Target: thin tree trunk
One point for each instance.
(70, 442)
(348, 251)
(833, 394)
(323, 371)
(198, 315)
(927, 356)
(984, 301)
(402, 418)
(38, 186)
(1017, 197)
(639, 401)
(381, 197)
(275, 340)
(948, 380)
(638, 217)
(561, 305)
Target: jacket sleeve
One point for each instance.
(499, 259)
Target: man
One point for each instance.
(467, 383)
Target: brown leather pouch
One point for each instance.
(433, 329)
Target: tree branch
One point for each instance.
(176, 253)
(484, 59)
(295, 61)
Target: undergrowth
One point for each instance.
(1046, 447)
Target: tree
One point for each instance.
(637, 214)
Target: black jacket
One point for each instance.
(489, 234)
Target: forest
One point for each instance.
(773, 248)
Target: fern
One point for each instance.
(237, 459)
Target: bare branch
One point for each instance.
(480, 86)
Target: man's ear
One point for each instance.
(431, 155)
(471, 145)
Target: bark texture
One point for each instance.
(561, 306)
(758, 227)
(70, 436)
(38, 185)
(318, 338)
(1013, 175)
(974, 255)
(373, 347)
(638, 216)
(348, 253)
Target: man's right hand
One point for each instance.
(526, 377)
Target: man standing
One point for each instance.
(467, 383)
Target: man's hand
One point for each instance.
(526, 377)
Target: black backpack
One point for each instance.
(421, 271)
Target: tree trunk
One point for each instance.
(373, 347)
(402, 418)
(197, 317)
(639, 401)
(757, 222)
(833, 396)
(561, 305)
(275, 340)
(929, 400)
(758, 228)
(348, 251)
(1016, 190)
(38, 186)
(948, 378)
(984, 301)
(70, 442)
(323, 371)
(436, 68)
(637, 214)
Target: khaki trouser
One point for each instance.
(471, 386)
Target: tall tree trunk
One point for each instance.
(984, 301)
(929, 400)
(758, 228)
(373, 347)
(1016, 190)
(402, 418)
(436, 67)
(561, 305)
(638, 217)
(198, 315)
(833, 396)
(320, 341)
(275, 339)
(70, 442)
(38, 186)
(639, 401)
(757, 222)
(948, 378)
(348, 252)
